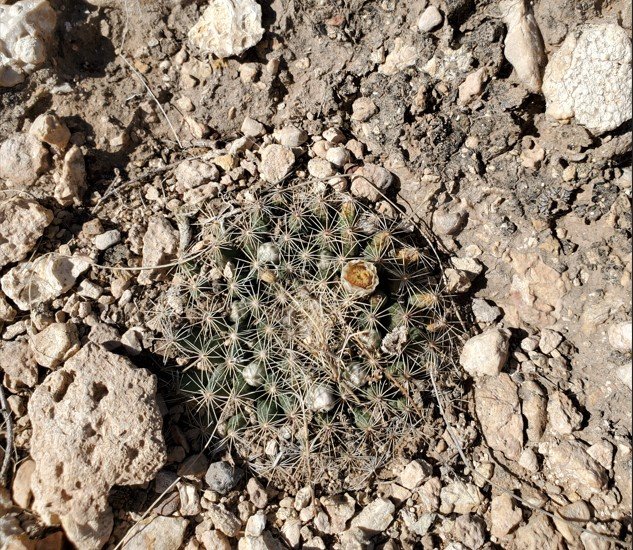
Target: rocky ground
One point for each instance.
(501, 128)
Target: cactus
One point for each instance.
(305, 325)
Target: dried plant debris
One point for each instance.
(307, 325)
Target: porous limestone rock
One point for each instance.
(22, 159)
(26, 28)
(228, 27)
(22, 223)
(589, 78)
(96, 424)
(43, 279)
(276, 163)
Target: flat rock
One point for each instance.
(157, 533)
(22, 223)
(375, 517)
(44, 279)
(589, 78)
(499, 412)
(22, 159)
(160, 247)
(486, 353)
(96, 424)
(570, 465)
(228, 27)
(56, 343)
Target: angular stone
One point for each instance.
(22, 223)
(22, 159)
(375, 517)
(486, 353)
(44, 279)
(276, 163)
(228, 27)
(160, 247)
(499, 412)
(71, 184)
(95, 425)
(504, 515)
(157, 533)
(56, 343)
(18, 364)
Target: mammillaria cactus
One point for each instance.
(306, 325)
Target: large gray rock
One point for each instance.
(228, 27)
(589, 78)
(96, 424)
(22, 223)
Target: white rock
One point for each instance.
(25, 29)
(157, 533)
(107, 239)
(22, 159)
(228, 27)
(370, 182)
(71, 185)
(291, 136)
(376, 517)
(485, 312)
(589, 78)
(430, 19)
(21, 486)
(256, 524)
(96, 424)
(460, 497)
(415, 473)
(486, 353)
(320, 168)
(50, 129)
(499, 412)
(43, 279)
(524, 47)
(472, 86)
(215, 540)
(7, 312)
(563, 418)
(160, 247)
(338, 156)
(569, 464)
(22, 223)
(620, 336)
(264, 542)
(403, 55)
(276, 162)
(194, 172)
(504, 515)
(549, 340)
(363, 109)
(18, 364)
(625, 375)
(252, 127)
(56, 343)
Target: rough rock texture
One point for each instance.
(18, 364)
(375, 517)
(589, 78)
(524, 47)
(158, 533)
(539, 533)
(486, 353)
(160, 246)
(50, 129)
(56, 343)
(43, 279)
(504, 515)
(228, 27)
(276, 163)
(22, 223)
(499, 411)
(371, 181)
(570, 465)
(25, 29)
(95, 425)
(22, 159)
(72, 181)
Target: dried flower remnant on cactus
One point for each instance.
(305, 325)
